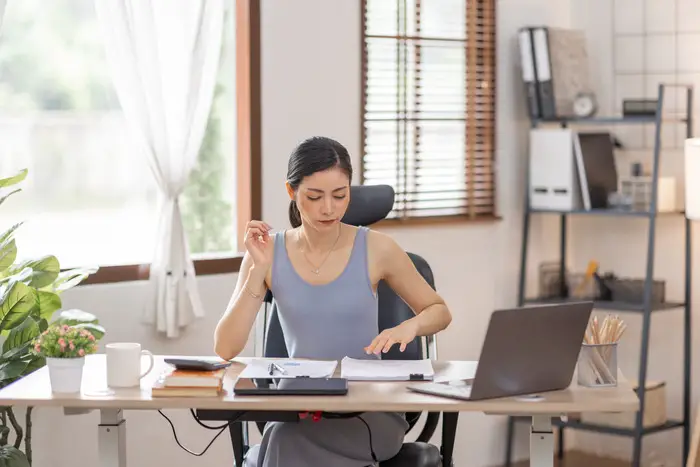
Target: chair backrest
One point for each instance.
(392, 311)
(368, 204)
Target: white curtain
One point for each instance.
(164, 58)
(3, 4)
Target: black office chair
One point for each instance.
(368, 204)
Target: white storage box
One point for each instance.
(554, 183)
(654, 410)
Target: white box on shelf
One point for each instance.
(554, 182)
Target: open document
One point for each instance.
(386, 370)
(288, 368)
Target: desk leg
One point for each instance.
(541, 442)
(112, 438)
(449, 430)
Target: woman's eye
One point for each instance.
(314, 199)
(339, 197)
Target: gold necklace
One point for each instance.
(316, 269)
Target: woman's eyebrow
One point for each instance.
(318, 190)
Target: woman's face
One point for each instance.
(322, 198)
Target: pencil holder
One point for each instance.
(597, 365)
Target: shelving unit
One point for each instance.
(646, 308)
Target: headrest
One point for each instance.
(369, 204)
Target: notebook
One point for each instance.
(386, 370)
(289, 368)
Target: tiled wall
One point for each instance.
(655, 41)
(633, 46)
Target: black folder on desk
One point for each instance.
(300, 386)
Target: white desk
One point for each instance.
(35, 390)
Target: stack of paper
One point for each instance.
(386, 370)
(289, 368)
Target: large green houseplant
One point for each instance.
(30, 300)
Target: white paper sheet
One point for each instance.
(260, 368)
(385, 370)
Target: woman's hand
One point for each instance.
(402, 334)
(257, 242)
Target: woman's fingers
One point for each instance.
(374, 344)
(388, 345)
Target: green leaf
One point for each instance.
(11, 370)
(3, 198)
(95, 329)
(8, 253)
(25, 332)
(34, 364)
(43, 325)
(44, 270)
(16, 302)
(47, 303)
(71, 278)
(9, 232)
(25, 276)
(10, 456)
(14, 179)
(17, 353)
(75, 316)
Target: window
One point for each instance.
(89, 197)
(429, 105)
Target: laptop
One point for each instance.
(526, 351)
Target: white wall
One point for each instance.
(311, 79)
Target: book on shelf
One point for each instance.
(187, 383)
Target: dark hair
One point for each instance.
(315, 154)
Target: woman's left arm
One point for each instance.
(399, 272)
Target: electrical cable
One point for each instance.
(221, 429)
(208, 427)
(369, 431)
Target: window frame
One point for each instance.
(248, 154)
(434, 219)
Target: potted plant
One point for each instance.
(64, 347)
(30, 302)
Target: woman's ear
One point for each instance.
(290, 190)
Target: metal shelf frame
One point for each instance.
(645, 308)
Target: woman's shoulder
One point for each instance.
(382, 245)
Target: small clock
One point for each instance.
(584, 104)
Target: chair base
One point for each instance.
(416, 454)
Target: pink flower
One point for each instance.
(71, 345)
(81, 352)
(62, 342)
(66, 327)
(84, 333)
(37, 347)
(91, 337)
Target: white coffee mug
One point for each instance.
(124, 364)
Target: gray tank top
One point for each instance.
(328, 321)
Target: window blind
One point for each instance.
(428, 104)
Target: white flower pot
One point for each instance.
(66, 374)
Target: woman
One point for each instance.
(324, 276)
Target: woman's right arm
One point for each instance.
(234, 327)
